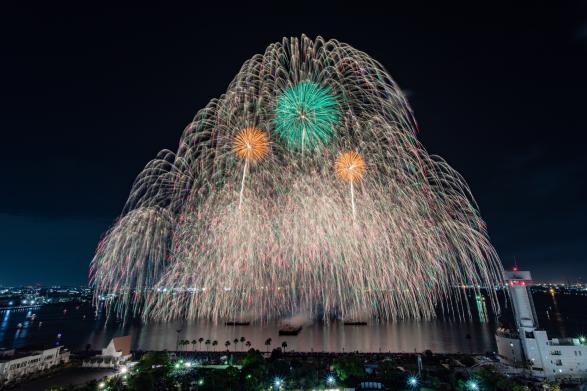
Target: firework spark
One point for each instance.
(187, 246)
(306, 114)
(350, 167)
(251, 145)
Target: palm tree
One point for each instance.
(227, 344)
(468, 338)
(207, 343)
(194, 342)
(177, 340)
(248, 344)
(284, 345)
(235, 343)
(214, 343)
(200, 340)
(268, 343)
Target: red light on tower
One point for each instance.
(515, 268)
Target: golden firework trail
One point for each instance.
(251, 145)
(350, 167)
(184, 248)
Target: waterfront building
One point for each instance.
(16, 365)
(526, 345)
(116, 353)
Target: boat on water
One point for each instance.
(236, 323)
(355, 323)
(289, 329)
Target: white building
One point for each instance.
(116, 353)
(15, 366)
(528, 346)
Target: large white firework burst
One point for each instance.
(198, 241)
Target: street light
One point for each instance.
(413, 381)
(472, 385)
(102, 385)
(330, 380)
(278, 382)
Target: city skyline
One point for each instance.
(90, 103)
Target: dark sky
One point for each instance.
(88, 96)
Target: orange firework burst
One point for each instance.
(251, 144)
(350, 166)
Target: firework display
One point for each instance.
(350, 167)
(251, 145)
(306, 114)
(251, 216)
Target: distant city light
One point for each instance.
(102, 385)
(201, 382)
(330, 380)
(472, 385)
(277, 382)
(552, 291)
(582, 339)
(188, 364)
(123, 370)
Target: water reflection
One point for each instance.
(79, 327)
(554, 315)
(407, 336)
(335, 337)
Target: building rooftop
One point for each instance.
(122, 344)
(16, 354)
(566, 342)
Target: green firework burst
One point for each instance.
(306, 115)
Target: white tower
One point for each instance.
(528, 346)
(532, 340)
(524, 312)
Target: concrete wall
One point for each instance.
(12, 370)
(510, 349)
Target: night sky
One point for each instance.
(88, 97)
